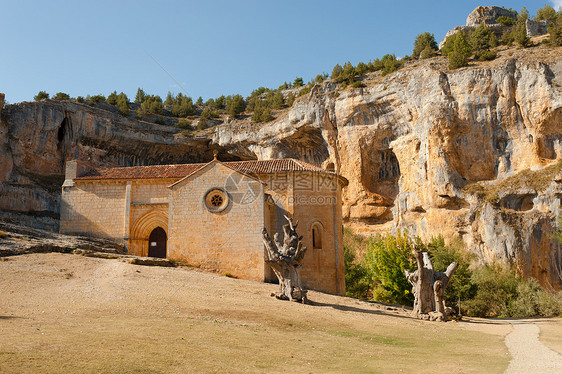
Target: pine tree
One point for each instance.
(41, 95)
(140, 96)
(237, 106)
(112, 98)
(423, 41)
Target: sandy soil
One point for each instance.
(68, 313)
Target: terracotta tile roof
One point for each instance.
(182, 170)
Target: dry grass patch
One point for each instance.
(111, 316)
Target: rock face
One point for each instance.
(487, 15)
(472, 153)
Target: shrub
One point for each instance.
(390, 64)
(290, 99)
(481, 40)
(305, 90)
(460, 287)
(386, 259)
(555, 31)
(236, 106)
(41, 95)
(458, 50)
(123, 104)
(427, 52)
(61, 96)
(112, 98)
(262, 113)
(358, 84)
(208, 113)
(96, 99)
(140, 96)
(202, 124)
(424, 41)
(487, 56)
(356, 274)
(298, 82)
(160, 121)
(505, 21)
(496, 289)
(185, 125)
(80, 99)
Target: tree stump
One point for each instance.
(285, 260)
(428, 287)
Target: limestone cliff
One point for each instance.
(457, 153)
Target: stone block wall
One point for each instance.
(228, 241)
(96, 209)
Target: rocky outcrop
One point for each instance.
(433, 151)
(488, 15)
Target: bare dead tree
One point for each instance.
(428, 287)
(285, 260)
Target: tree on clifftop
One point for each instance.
(424, 41)
(41, 95)
(236, 106)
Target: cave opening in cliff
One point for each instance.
(62, 129)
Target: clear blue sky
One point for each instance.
(209, 47)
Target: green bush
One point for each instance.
(358, 84)
(555, 31)
(505, 21)
(356, 275)
(96, 99)
(496, 289)
(61, 96)
(305, 90)
(460, 287)
(386, 259)
(112, 98)
(458, 49)
(262, 113)
(390, 64)
(184, 125)
(424, 41)
(298, 82)
(41, 95)
(236, 105)
(202, 124)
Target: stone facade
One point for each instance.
(128, 204)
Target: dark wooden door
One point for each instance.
(157, 243)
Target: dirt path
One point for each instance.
(529, 354)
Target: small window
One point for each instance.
(316, 237)
(216, 200)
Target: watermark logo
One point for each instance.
(242, 188)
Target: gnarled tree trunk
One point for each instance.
(428, 287)
(285, 260)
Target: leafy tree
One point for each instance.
(460, 51)
(208, 113)
(546, 13)
(41, 95)
(169, 99)
(389, 64)
(182, 106)
(112, 98)
(505, 21)
(386, 259)
(298, 82)
(140, 96)
(460, 287)
(555, 31)
(423, 41)
(277, 100)
(290, 99)
(123, 104)
(220, 102)
(336, 71)
(262, 113)
(482, 40)
(96, 99)
(185, 125)
(237, 106)
(202, 124)
(61, 96)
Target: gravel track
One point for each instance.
(529, 354)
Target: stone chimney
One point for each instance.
(73, 169)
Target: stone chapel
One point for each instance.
(211, 215)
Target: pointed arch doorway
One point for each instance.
(157, 243)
